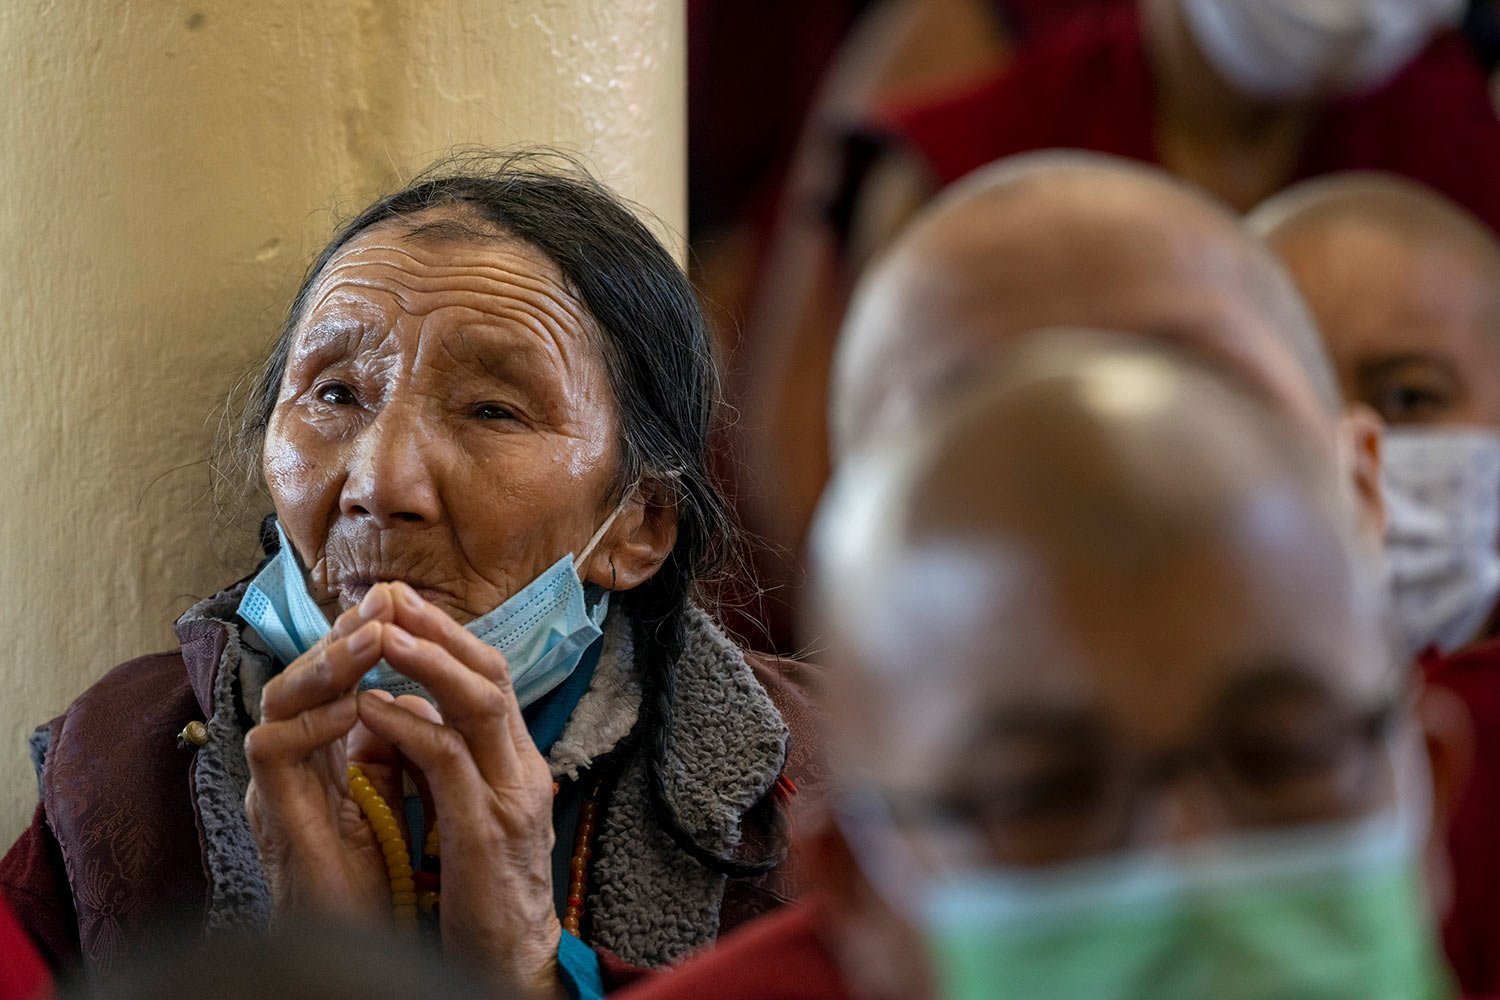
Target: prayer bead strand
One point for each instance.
(578, 866)
(392, 844)
(411, 891)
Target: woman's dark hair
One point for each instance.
(657, 350)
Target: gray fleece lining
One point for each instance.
(651, 903)
(239, 898)
(38, 743)
(608, 709)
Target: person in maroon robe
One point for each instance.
(1405, 285)
(1094, 708)
(1144, 81)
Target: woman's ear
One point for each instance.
(639, 541)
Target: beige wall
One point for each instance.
(168, 169)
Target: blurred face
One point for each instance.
(1413, 329)
(1231, 691)
(445, 419)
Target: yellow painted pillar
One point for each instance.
(169, 170)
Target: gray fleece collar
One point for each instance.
(651, 903)
(238, 896)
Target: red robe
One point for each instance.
(22, 974)
(781, 956)
(1472, 932)
(1088, 85)
(777, 957)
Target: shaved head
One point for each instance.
(1101, 533)
(1405, 286)
(1070, 239)
(1405, 209)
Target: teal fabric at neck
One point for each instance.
(547, 717)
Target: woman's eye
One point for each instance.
(337, 394)
(492, 411)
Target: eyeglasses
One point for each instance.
(1318, 766)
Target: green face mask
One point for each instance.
(1333, 912)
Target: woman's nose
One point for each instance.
(390, 479)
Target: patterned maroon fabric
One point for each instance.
(113, 856)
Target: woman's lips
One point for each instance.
(352, 591)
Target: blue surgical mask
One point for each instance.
(279, 607)
(544, 629)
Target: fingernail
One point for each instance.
(364, 640)
(370, 606)
(401, 639)
(409, 598)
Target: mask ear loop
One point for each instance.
(598, 536)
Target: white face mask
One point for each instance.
(1286, 50)
(1442, 494)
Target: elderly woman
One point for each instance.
(469, 690)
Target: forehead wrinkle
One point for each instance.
(409, 289)
(461, 347)
(529, 261)
(541, 312)
(480, 274)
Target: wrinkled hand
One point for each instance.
(319, 853)
(491, 790)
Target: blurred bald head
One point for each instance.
(1103, 551)
(1069, 239)
(1405, 286)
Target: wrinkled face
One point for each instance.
(1414, 329)
(1065, 712)
(445, 419)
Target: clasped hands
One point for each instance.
(485, 781)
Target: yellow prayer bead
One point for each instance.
(387, 830)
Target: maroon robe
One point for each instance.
(778, 957)
(1088, 85)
